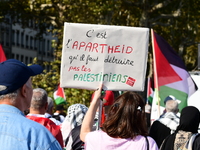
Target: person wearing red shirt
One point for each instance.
(38, 108)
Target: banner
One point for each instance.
(113, 55)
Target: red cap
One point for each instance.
(109, 97)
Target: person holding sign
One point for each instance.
(125, 127)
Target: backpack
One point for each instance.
(189, 143)
(57, 117)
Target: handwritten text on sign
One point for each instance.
(113, 55)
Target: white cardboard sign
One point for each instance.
(113, 55)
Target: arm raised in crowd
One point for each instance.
(89, 117)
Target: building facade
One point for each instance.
(23, 44)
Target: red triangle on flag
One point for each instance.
(149, 87)
(60, 92)
(165, 73)
(2, 55)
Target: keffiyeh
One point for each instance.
(74, 118)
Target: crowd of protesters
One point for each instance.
(28, 120)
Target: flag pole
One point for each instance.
(100, 114)
(148, 86)
(155, 73)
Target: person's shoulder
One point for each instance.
(152, 143)
(196, 144)
(160, 127)
(21, 121)
(41, 120)
(33, 123)
(197, 138)
(141, 137)
(157, 124)
(145, 139)
(55, 121)
(96, 133)
(150, 139)
(36, 129)
(48, 123)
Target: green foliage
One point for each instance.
(176, 21)
(49, 80)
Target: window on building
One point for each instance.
(31, 42)
(22, 58)
(22, 39)
(26, 60)
(2, 36)
(44, 46)
(7, 20)
(31, 23)
(35, 44)
(13, 37)
(13, 55)
(27, 41)
(17, 38)
(7, 37)
(17, 56)
(40, 47)
(7, 54)
(31, 60)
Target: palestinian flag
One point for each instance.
(150, 91)
(170, 75)
(2, 55)
(59, 96)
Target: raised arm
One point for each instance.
(89, 117)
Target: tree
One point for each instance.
(177, 21)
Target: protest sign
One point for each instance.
(113, 55)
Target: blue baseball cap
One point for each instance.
(14, 74)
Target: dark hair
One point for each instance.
(126, 117)
(59, 107)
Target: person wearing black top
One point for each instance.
(188, 126)
(166, 124)
(77, 144)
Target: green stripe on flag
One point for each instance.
(60, 100)
(165, 91)
(150, 99)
